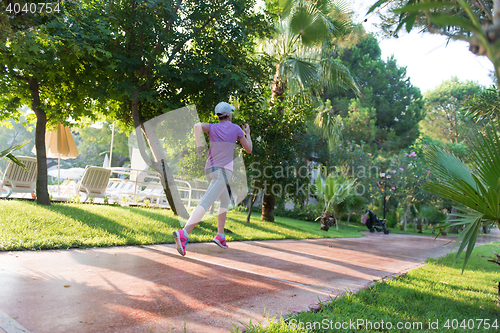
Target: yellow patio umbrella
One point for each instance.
(60, 144)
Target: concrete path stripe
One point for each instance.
(395, 255)
(377, 267)
(298, 284)
(9, 325)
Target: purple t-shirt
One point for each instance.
(222, 137)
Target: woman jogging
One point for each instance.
(218, 169)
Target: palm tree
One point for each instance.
(336, 192)
(300, 49)
(476, 189)
(304, 33)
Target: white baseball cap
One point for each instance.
(224, 108)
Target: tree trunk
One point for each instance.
(254, 197)
(498, 304)
(277, 94)
(406, 217)
(268, 207)
(348, 218)
(42, 192)
(454, 229)
(160, 163)
(278, 89)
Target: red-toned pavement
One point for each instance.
(153, 288)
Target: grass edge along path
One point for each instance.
(436, 297)
(28, 226)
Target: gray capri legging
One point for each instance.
(218, 178)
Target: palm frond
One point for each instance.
(484, 105)
(341, 6)
(342, 24)
(468, 237)
(447, 166)
(337, 75)
(477, 189)
(330, 126)
(486, 159)
(287, 7)
(7, 153)
(304, 71)
(334, 190)
(461, 193)
(309, 25)
(353, 202)
(376, 5)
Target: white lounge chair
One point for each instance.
(18, 180)
(94, 182)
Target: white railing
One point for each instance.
(136, 184)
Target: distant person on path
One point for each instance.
(218, 169)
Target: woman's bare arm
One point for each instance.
(246, 141)
(197, 135)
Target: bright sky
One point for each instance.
(427, 58)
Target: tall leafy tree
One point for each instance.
(446, 119)
(301, 53)
(166, 54)
(359, 124)
(44, 57)
(300, 49)
(275, 166)
(386, 88)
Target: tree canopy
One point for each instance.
(385, 88)
(446, 119)
(165, 55)
(45, 61)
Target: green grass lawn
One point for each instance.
(434, 298)
(26, 225)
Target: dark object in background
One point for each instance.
(374, 223)
(327, 221)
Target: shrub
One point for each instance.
(310, 213)
(241, 209)
(391, 220)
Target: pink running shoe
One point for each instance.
(180, 241)
(220, 241)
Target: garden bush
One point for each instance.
(310, 213)
(391, 219)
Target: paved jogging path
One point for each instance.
(138, 289)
